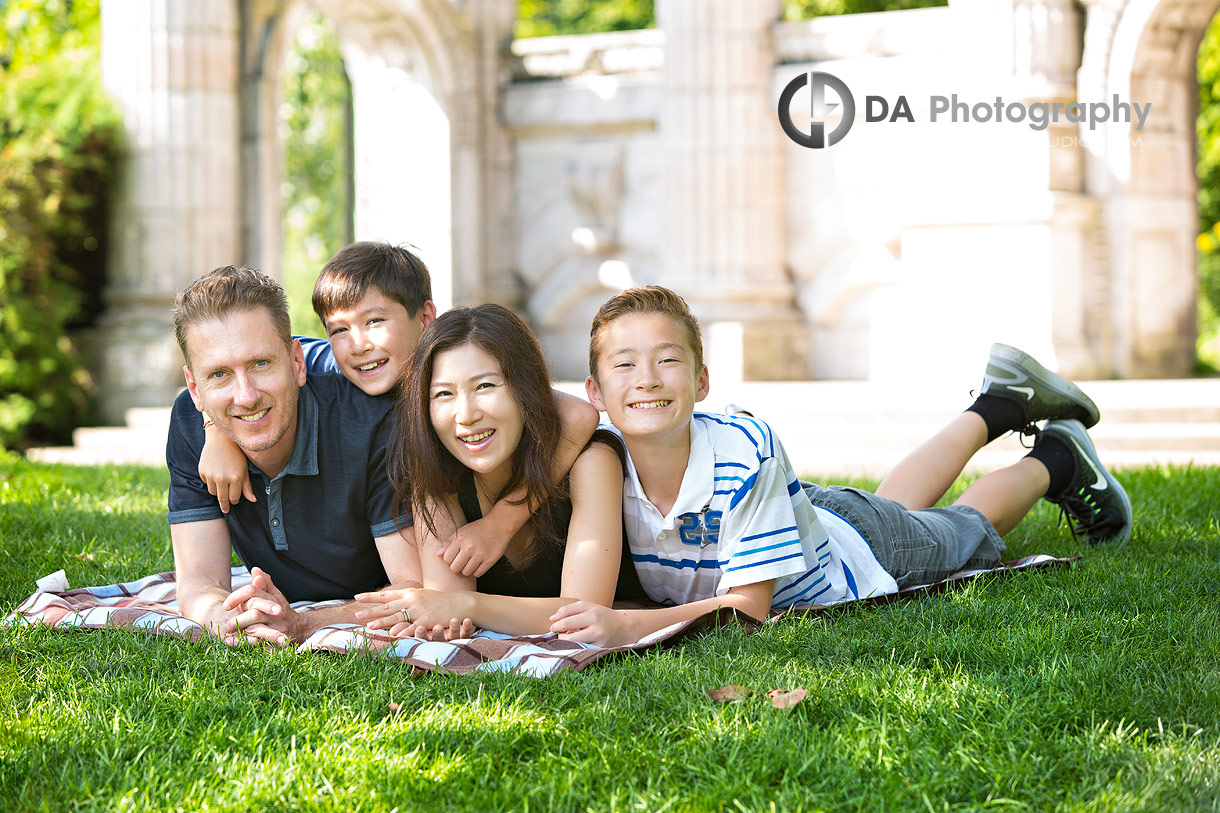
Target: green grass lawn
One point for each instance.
(1095, 687)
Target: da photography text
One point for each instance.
(830, 111)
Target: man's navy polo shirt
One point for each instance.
(319, 358)
(313, 526)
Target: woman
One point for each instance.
(476, 420)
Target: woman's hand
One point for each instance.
(412, 610)
(452, 631)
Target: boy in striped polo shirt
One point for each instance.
(716, 517)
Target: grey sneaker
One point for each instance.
(1043, 395)
(1095, 504)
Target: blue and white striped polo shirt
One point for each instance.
(741, 518)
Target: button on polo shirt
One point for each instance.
(313, 527)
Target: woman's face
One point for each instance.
(474, 413)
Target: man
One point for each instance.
(325, 528)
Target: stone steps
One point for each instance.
(844, 427)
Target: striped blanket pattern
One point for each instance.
(150, 605)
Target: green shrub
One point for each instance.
(58, 142)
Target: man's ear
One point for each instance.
(298, 361)
(703, 385)
(428, 315)
(192, 387)
(595, 394)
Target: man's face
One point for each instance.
(374, 338)
(649, 382)
(246, 379)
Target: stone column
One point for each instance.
(490, 262)
(1046, 57)
(724, 186)
(173, 68)
(264, 26)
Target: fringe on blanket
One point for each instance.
(150, 604)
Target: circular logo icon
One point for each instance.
(821, 112)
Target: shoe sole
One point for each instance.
(1045, 378)
(1073, 430)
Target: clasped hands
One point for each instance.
(258, 613)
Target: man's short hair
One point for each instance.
(649, 299)
(393, 270)
(225, 290)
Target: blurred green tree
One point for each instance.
(806, 9)
(315, 118)
(544, 18)
(1207, 129)
(59, 137)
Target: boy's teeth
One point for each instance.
(251, 418)
(372, 365)
(477, 438)
(650, 405)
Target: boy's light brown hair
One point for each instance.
(649, 299)
(225, 290)
(393, 270)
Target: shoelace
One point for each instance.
(1030, 430)
(1085, 517)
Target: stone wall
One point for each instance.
(581, 165)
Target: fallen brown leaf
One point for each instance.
(729, 692)
(785, 700)
(394, 707)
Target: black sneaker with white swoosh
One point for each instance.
(1042, 394)
(1095, 503)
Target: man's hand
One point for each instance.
(476, 546)
(224, 470)
(263, 614)
(594, 624)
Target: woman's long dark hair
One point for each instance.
(422, 470)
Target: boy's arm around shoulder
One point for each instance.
(224, 468)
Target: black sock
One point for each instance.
(1000, 414)
(1059, 461)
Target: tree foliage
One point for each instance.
(59, 137)
(1207, 128)
(315, 125)
(544, 18)
(806, 9)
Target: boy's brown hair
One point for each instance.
(227, 289)
(649, 299)
(393, 270)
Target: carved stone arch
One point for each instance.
(1144, 51)
(448, 47)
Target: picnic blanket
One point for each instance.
(150, 604)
